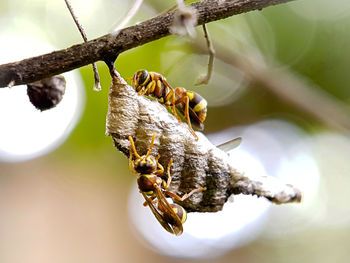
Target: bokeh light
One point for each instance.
(326, 10)
(25, 131)
(240, 222)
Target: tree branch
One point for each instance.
(111, 45)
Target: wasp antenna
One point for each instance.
(131, 164)
(133, 148)
(169, 165)
(151, 145)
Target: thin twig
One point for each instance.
(133, 10)
(76, 21)
(206, 78)
(97, 85)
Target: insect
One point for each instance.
(190, 104)
(154, 189)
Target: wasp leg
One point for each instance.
(146, 89)
(185, 196)
(168, 181)
(170, 97)
(160, 167)
(173, 109)
(186, 100)
(141, 91)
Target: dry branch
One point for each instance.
(110, 46)
(196, 163)
(204, 79)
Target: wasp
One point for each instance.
(154, 189)
(190, 104)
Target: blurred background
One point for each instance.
(280, 81)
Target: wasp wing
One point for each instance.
(176, 223)
(195, 121)
(157, 214)
(228, 146)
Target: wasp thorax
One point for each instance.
(145, 164)
(146, 182)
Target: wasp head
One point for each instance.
(145, 164)
(140, 79)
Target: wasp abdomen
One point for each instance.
(180, 212)
(198, 104)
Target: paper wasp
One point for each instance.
(192, 105)
(154, 189)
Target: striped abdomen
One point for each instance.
(198, 104)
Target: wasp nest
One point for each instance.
(196, 164)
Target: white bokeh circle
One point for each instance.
(26, 132)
